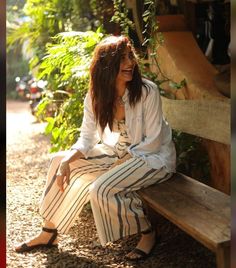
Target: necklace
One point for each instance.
(120, 101)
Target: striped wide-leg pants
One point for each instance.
(117, 208)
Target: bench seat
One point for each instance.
(199, 210)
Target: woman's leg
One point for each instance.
(117, 208)
(43, 237)
(60, 209)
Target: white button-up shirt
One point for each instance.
(150, 134)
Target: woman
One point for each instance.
(123, 112)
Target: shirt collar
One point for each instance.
(125, 96)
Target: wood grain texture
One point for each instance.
(208, 119)
(223, 257)
(199, 210)
(181, 58)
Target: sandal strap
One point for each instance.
(139, 252)
(148, 231)
(54, 236)
(24, 247)
(49, 230)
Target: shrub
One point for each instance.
(66, 68)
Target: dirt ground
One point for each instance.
(27, 163)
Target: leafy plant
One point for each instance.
(152, 41)
(67, 64)
(44, 20)
(121, 17)
(192, 158)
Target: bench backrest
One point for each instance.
(206, 118)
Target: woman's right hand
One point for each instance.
(63, 174)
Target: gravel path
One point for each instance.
(27, 162)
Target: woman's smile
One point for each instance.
(127, 64)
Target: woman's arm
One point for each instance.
(63, 172)
(87, 140)
(121, 160)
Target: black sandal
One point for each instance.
(25, 248)
(141, 254)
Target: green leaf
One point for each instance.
(177, 85)
(153, 54)
(145, 19)
(55, 133)
(183, 83)
(148, 2)
(50, 125)
(146, 13)
(145, 42)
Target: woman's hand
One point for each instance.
(121, 160)
(63, 173)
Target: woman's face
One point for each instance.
(127, 64)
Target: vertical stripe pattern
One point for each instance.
(116, 206)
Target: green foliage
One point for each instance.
(45, 20)
(14, 10)
(68, 58)
(152, 39)
(66, 67)
(63, 128)
(37, 29)
(16, 66)
(121, 16)
(192, 158)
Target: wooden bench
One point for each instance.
(199, 210)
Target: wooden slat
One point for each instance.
(199, 210)
(223, 257)
(206, 196)
(208, 119)
(169, 23)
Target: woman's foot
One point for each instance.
(47, 238)
(144, 247)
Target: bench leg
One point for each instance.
(223, 257)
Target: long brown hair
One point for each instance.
(103, 72)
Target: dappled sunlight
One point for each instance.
(19, 120)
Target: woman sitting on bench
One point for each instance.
(124, 145)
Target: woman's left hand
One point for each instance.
(121, 160)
